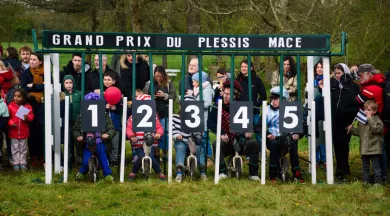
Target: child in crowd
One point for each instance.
(183, 141)
(115, 113)
(6, 76)
(4, 116)
(275, 138)
(370, 135)
(137, 140)
(19, 129)
(101, 137)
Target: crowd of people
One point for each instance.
(22, 114)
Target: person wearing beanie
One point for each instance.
(344, 109)
(183, 142)
(372, 82)
(208, 95)
(100, 138)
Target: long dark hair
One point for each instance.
(12, 53)
(293, 70)
(315, 66)
(160, 69)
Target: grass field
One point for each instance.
(25, 194)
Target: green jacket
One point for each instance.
(370, 136)
(110, 130)
(74, 98)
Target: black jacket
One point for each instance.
(69, 70)
(258, 90)
(343, 103)
(142, 76)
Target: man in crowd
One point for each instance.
(74, 68)
(193, 68)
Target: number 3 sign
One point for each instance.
(290, 117)
(192, 116)
(92, 115)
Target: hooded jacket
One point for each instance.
(258, 91)
(208, 94)
(372, 89)
(21, 130)
(74, 98)
(370, 136)
(142, 75)
(69, 70)
(5, 79)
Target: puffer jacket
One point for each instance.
(370, 136)
(208, 94)
(21, 130)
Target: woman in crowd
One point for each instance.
(289, 78)
(33, 81)
(222, 76)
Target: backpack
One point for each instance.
(386, 103)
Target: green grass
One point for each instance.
(20, 195)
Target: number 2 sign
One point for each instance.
(144, 115)
(92, 115)
(290, 117)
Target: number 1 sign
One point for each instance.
(92, 115)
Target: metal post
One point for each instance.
(101, 74)
(200, 71)
(218, 144)
(66, 139)
(263, 140)
(133, 74)
(281, 74)
(250, 78)
(48, 120)
(299, 77)
(328, 121)
(151, 76)
(83, 74)
(310, 98)
(313, 143)
(123, 140)
(231, 78)
(170, 114)
(56, 113)
(183, 69)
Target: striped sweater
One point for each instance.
(140, 135)
(176, 131)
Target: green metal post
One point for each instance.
(83, 74)
(231, 78)
(200, 71)
(101, 74)
(183, 76)
(281, 74)
(34, 34)
(249, 78)
(299, 77)
(151, 76)
(133, 74)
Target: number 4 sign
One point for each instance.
(290, 117)
(241, 116)
(92, 115)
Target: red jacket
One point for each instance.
(21, 131)
(140, 135)
(372, 89)
(5, 79)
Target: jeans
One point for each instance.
(275, 147)
(140, 153)
(115, 148)
(374, 159)
(207, 144)
(161, 143)
(320, 153)
(252, 149)
(181, 153)
(102, 158)
(256, 118)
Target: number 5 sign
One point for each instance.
(92, 115)
(290, 117)
(241, 116)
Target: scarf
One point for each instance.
(317, 79)
(37, 75)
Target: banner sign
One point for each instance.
(129, 41)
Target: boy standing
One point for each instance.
(370, 141)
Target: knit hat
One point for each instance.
(367, 68)
(197, 78)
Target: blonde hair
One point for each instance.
(372, 104)
(2, 66)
